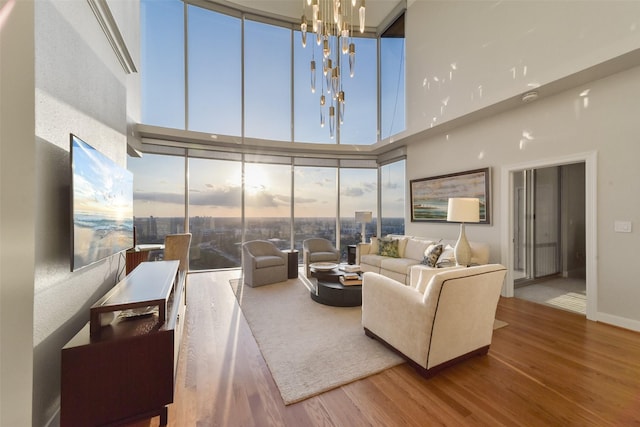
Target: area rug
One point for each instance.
(310, 348)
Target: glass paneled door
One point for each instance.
(536, 233)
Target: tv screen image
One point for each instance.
(102, 205)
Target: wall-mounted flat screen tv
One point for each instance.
(102, 205)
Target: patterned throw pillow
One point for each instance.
(447, 258)
(388, 247)
(431, 255)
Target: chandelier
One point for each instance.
(332, 30)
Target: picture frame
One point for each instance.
(430, 196)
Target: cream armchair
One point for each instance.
(263, 263)
(447, 317)
(317, 249)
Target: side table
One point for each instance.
(292, 263)
(351, 254)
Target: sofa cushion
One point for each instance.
(388, 247)
(372, 259)
(398, 265)
(402, 246)
(431, 255)
(415, 248)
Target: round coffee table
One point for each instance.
(329, 290)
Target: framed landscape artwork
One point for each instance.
(430, 196)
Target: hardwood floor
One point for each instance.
(548, 367)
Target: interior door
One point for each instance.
(537, 223)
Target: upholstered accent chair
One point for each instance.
(317, 249)
(446, 317)
(176, 247)
(263, 263)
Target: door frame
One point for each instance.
(591, 211)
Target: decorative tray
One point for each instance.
(323, 266)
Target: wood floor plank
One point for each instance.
(548, 367)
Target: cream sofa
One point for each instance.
(447, 317)
(411, 251)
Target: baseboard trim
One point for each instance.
(621, 322)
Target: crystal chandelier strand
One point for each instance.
(361, 15)
(332, 22)
(313, 76)
(352, 59)
(332, 121)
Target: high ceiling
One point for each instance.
(377, 11)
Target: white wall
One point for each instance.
(17, 215)
(560, 125)
(502, 49)
(80, 88)
(466, 55)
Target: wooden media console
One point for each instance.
(125, 370)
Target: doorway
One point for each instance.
(549, 236)
(508, 198)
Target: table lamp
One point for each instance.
(363, 217)
(463, 209)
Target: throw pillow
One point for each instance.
(447, 258)
(431, 255)
(388, 247)
(415, 248)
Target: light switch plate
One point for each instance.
(622, 226)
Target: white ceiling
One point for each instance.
(377, 11)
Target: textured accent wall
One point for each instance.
(80, 88)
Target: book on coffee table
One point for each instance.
(349, 279)
(350, 268)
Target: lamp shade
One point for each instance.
(364, 216)
(463, 209)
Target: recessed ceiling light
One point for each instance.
(529, 96)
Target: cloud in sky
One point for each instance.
(230, 196)
(217, 197)
(353, 192)
(172, 198)
(359, 190)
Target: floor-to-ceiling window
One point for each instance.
(392, 197)
(315, 203)
(267, 80)
(215, 216)
(201, 88)
(272, 201)
(158, 196)
(360, 117)
(358, 192)
(162, 63)
(267, 201)
(392, 80)
(214, 72)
